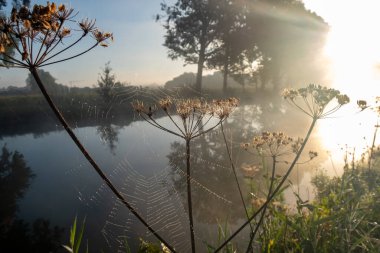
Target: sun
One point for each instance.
(353, 51)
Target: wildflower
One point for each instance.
(362, 104)
(42, 28)
(191, 112)
(257, 202)
(223, 107)
(140, 108)
(315, 100)
(313, 154)
(166, 103)
(63, 14)
(101, 36)
(87, 25)
(272, 144)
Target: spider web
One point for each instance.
(155, 187)
(147, 166)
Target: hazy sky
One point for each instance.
(138, 57)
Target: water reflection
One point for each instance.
(109, 134)
(18, 235)
(147, 165)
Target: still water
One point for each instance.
(147, 166)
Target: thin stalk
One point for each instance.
(276, 190)
(170, 117)
(78, 143)
(266, 206)
(69, 58)
(235, 175)
(208, 130)
(189, 201)
(63, 50)
(372, 146)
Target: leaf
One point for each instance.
(79, 239)
(72, 232)
(67, 248)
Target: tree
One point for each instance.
(16, 3)
(290, 39)
(235, 43)
(107, 86)
(51, 86)
(190, 32)
(3, 3)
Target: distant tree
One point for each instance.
(15, 3)
(290, 39)
(3, 3)
(190, 32)
(234, 39)
(183, 80)
(247, 67)
(107, 85)
(51, 86)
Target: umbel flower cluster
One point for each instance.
(273, 144)
(314, 100)
(35, 37)
(194, 114)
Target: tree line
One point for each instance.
(244, 38)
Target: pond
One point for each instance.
(147, 165)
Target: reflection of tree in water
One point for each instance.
(109, 134)
(215, 192)
(15, 178)
(16, 235)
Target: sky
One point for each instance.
(137, 55)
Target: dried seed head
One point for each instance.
(165, 103)
(315, 99)
(272, 144)
(312, 154)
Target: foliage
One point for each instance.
(37, 237)
(108, 87)
(342, 218)
(76, 238)
(235, 50)
(50, 82)
(191, 32)
(223, 233)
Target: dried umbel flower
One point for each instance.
(314, 100)
(312, 154)
(223, 107)
(191, 113)
(362, 104)
(38, 35)
(272, 144)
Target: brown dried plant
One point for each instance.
(190, 118)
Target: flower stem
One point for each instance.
(189, 201)
(275, 191)
(78, 143)
(266, 206)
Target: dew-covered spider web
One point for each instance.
(147, 165)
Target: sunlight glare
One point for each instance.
(353, 51)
